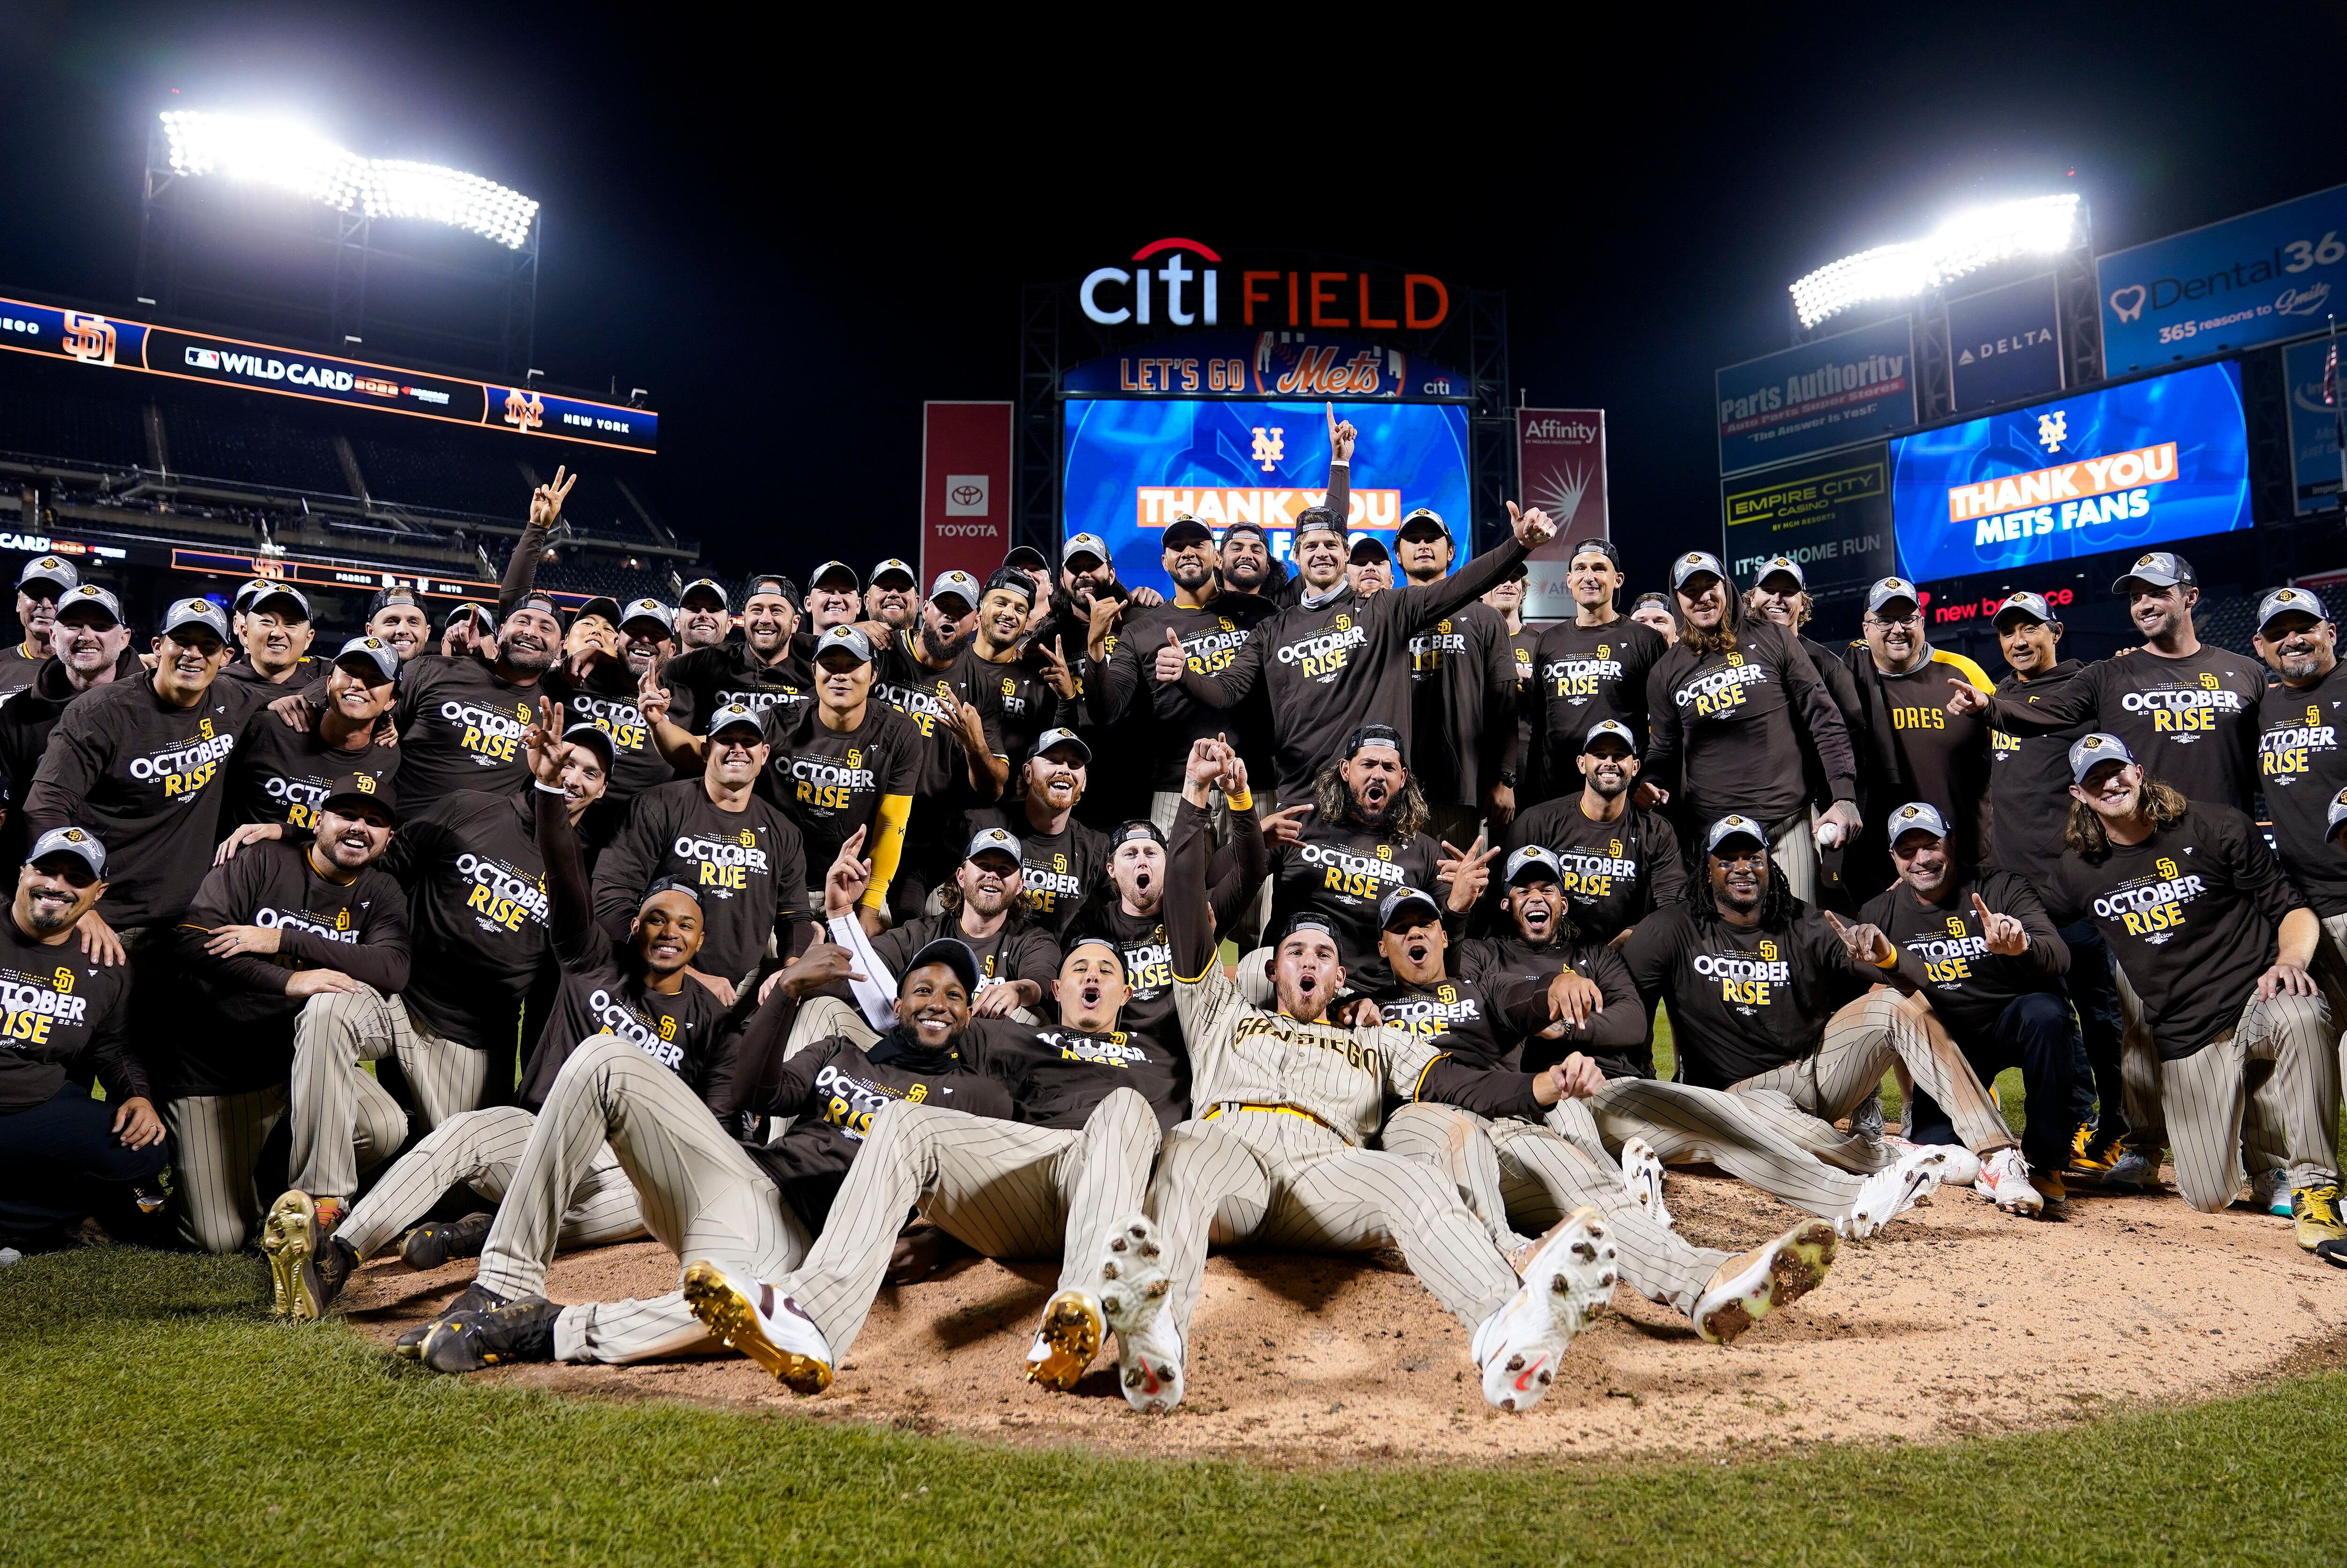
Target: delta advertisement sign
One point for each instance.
(2123, 469)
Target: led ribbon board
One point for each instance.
(2127, 468)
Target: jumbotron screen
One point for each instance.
(1133, 464)
(2127, 468)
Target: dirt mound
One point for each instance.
(1958, 1321)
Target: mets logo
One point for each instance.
(1955, 926)
(1446, 994)
(749, 840)
(525, 410)
(64, 980)
(1385, 852)
(1768, 950)
(2167, 868)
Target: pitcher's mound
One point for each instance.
(1958, 1320)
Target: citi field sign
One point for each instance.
(1181, 282)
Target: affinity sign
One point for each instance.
(2139, 465)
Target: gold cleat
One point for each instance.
(1066, 1342)
(769, 1329)
(287, 1238)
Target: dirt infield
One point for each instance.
(1958, 1321)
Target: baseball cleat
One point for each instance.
(2057, 1193)
(2003, 1180)
(1642, 1173)
(2091, 1154)
(469, 1341)
(772, 1330)
(1518, 1348)
(1134, 1289)
(2269, 1190)
(1892, 1191)
(475, 1297)
(2334, 1252)
(1067, 1341)
(2316, 1210)
(288, 1236)
(430, 1246)
(1745, 1289)
(1962, 1169)
(2131, 1173)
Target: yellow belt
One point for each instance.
(1275, 1110)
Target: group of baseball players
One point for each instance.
(821, 933)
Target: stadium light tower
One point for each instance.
(210, 250)
(1964, 243)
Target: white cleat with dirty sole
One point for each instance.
(1642, 1173)
(2003, 1180)
(1132, 1290)
(1892, 1191)
(1568, 1277)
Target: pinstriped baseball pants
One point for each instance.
(343, 1121)
(820, 1018)
(702, 1198)
(479, 1148)
(1284, 1182)
(2207, 1096)
(1687, 1125)
(1803, 1097)
(1008, 1189)
(216, 1143)
(1512, 1172)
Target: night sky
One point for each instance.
(793, 238)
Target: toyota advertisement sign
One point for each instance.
(2267, 275)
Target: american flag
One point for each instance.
(2331, 375)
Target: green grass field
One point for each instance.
(155, 1414)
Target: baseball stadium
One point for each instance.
(759, 821)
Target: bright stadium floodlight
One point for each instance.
(306, 164)
(2034, 226)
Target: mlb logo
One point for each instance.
(966, 494)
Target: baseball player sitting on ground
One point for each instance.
(1993, 964)
(634, 988)
(1773, 1004)
(1278, 1158)
(748, 1211)
(1515, 1171)
(1091, 1100)
(2218, 944)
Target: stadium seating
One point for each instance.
(596, 505)
(252, 444)
(442, 473)
(46, 416)
(600, 574)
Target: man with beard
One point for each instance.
(1277, 1156)
(2218, 944)
(601, 689)
(741, 858)
(1780, 1007)
(1993, 964)
(2187, 710)
(630, 986)
(1542, 941)
(1918, 750)
(1016, 955)
(460, 720)
(1520, 1172)
(1135, 919)
(894, 599)
(140, 762)
(1211, 621)
(282, 774)
(1462, 696)
(278, 924)
(1733, 703)
(397, 616)
(1591, 669)
(1336, 662)
(1027, 687)
(44, 581)
(926, 675)
(1062, 861)
(92, 647)
(762, 671)
(704, 616)
(1616, 863)
(275, 637)
(1364, 837)
(63, 1154)
(476, 914)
